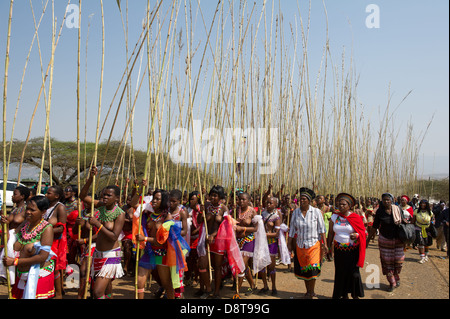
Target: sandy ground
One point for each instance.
(418, 281)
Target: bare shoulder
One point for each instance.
(61, 208)
(47, 235)
(168, 217)
(223, 209)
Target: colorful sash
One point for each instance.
(226, 241)
(177, 248)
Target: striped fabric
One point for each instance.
(308, 228)
(106, 265)
(45, 286)
(392, 257)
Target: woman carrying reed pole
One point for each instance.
(57, 216)
(272, 224)
(34, 260)
(107, 256)
(92, 177)
(210, 218)
(245, 234)
(152, 110)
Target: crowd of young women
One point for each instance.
(201, 238)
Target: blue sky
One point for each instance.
(409, 52)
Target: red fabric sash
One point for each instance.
(71, 219)
(59, 247)
(357, 223)
(226, 241)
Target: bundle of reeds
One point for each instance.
(242, 71)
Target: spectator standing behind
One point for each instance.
(441, 242)
(408, 211)
(445, 222)
(370, 216)
(422, 219)
(415, 201)
(387, 219)
(57, 216)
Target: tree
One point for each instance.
(64, 163)
(436, 189)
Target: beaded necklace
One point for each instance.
(342, 220)
(108, 215)
(158, 217)
(24, 236)
(177, 215)
(245, 214)
(214, 210)
(18, 210)
(70, 206)
(270, 217)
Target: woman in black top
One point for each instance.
(387, 219)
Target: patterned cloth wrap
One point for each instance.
(247, 243)
(272, 241)
(107, 264)
(307, 263)
(45, 287)
(37, 283)
(345, 246)
(273, 246)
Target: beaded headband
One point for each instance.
(347, 197)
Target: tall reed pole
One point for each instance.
(49, 99)
(149, 137)
(88, 269)
(23, 78)
(78, 116)
(5, 170)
